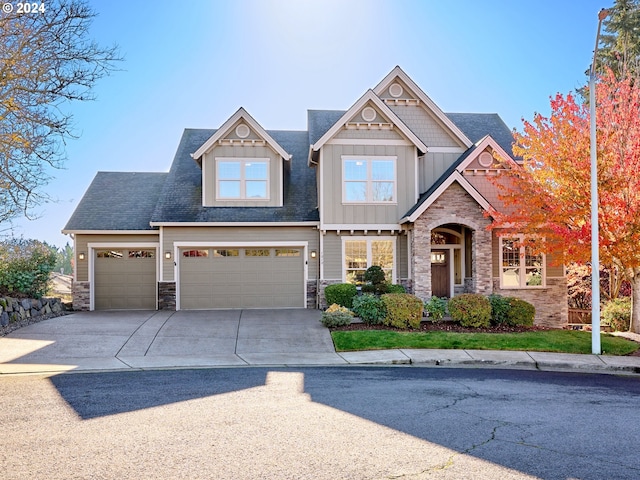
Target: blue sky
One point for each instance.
(193, 64)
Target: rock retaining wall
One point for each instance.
(15, 313)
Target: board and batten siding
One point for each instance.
(334, 212)
(432, 166)
(242, 152)
(220, 235)
(82, 242)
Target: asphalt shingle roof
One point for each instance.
(478, 125)
(320, 121)
(181, 198)
(118, 201)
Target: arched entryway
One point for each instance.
(450, 259)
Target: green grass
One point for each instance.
(562, 341)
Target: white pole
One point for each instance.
(595, 234)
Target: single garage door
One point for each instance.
(125, 279)
(269, 277)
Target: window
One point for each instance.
(369, 180)
(142, 254)
(246, 179)
(195, 253)
(362, 253)
(521, 267)
(287, 252)
(226, 253)
(257, 252)
(109, 254)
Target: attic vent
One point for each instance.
(485, 159)
(368, 114)
(395, 90)
(242, 131)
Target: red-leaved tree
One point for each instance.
(550, 196)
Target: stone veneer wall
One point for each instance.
(550, 302)
(166, 295)
(81, 295)
(454, 206)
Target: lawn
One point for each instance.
(561, 341)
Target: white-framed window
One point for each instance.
(520, 265)
(369, 179)
(360, 253)
(242, 179)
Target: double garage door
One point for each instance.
(257, 277)
(125, 279)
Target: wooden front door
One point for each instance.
(440, 281)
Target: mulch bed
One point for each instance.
(445, 327)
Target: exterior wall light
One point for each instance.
(81, 256)
(314, 254)
(167, 255)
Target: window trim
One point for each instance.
(243, 180)
(522, 268)
(369, 159)
(369, 240)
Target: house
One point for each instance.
(255, 218)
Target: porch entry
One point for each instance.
(450, 259)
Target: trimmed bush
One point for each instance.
(340, 293)
(369, 308)
(25, 266)
(617, 313)
(436, 307)
(470, 310)
(396, 288)
(403, 310)
(336, 316)
(499, 309)
(520, 312)
(376, 281)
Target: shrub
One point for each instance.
(395, 288)
(617, 313)
(520, 312)
(499, 309)
(376, 281)
(25, 266)
(403, 310)
(470, 310)
(336, 316)
(436, 307)
(340, 293)
(369, 308)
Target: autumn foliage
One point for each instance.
(550, 195)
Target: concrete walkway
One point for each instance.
(116, 340)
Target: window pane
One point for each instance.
(511, 277)
(355, 170)
(256, 189)
(382, 254)
(195, 253)
(534, 277)
(255, 170)
(382, 192)
(228, 170)
(287, 252)
(225, 253)
(457, 266)
(256, 252)
(355, 260)
(109, 254)
(382, 170)
(510, 253)
(229, 189)
(142, 254)
(355, 191)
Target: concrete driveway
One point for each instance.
(160, 339)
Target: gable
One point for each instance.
(419, 112)
(369, 122)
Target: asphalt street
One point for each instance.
(320, 423)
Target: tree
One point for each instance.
(64, 259)
(619, 47)
(550, 196)
(46, 61)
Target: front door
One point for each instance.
(440, 286)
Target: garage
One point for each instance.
(235, 277)
(125, 279)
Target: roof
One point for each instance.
(117, 201)
(478, 125)
(181, 198)
(320, 121)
